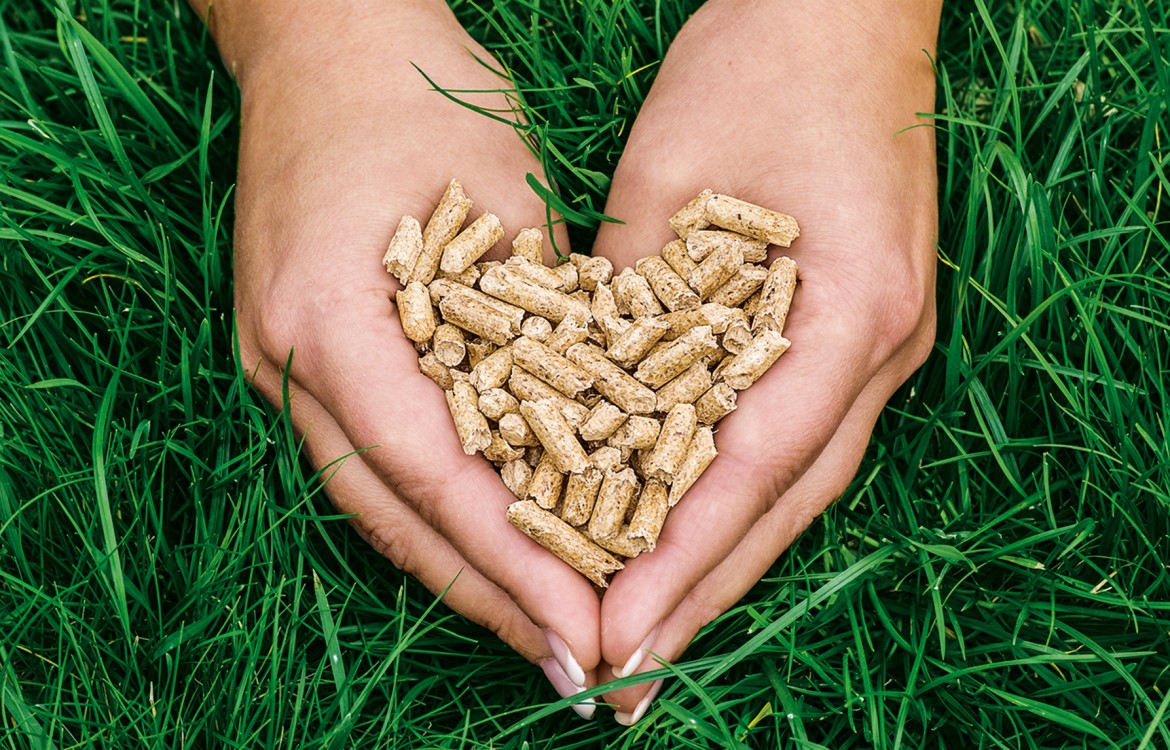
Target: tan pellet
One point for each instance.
(468, 277)
(500, 451)
(699, 456)
(606, 314)
(776, 296)
(663, 365)
(448, 344)
(603, 419)
(715, 404)
(738, 336)
(555, 434)
(671, 448)
(571, 330)
(634, 295)
(567, 273)
(613, 500)
(529, 243)
(537, 273)
(564, 541)
(589, 397)
(442, 227)
(536, 328)
(514, 428)
(716, 316)
(670, 288)
(613, 382)
(493, 370)
(606, 458)
(405, 246)
(686, 387)
(475, 317)
(415, 312)
(650, 514)
(494, 403)
(622, 544)
(429, 365)
(715, 270)
(675, 255)
(527, 387)
(580, 496)
(692, 216)
(471, 425)
(701, 244)
(636, 432)
(742, 285)
(629, 348)
(749, 365)
(750, 219)
(550, 367)
(516, 476)
(753, 304)
(504, 283)
(546, 484)
(593, 271)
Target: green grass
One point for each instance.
(996, 577)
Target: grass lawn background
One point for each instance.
(996, 576)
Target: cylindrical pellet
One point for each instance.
(692, 216)
(663, 365)
(750, 219)
(752, 305)
(629, 348)
(622, 544)
(636, 432)
(634, 295)
(546, 484)
(715, 404)
(555, 434)
(475, 317)
(405, 247)
(670, 288)
(550, 367)
(494, 403)
(468, 277)
(738, 336)
(515, 429)
(742, 285)
(612, 381)
(536, 272)
(415, 313)
(448, 345)
(567, 273)
(699, 456)
(776, 296)
(564, 541)
(516, 476)
(500, 451)
(716, 270)
(580, 496)
(571, 330)
(716, 316)
(478, 350)
(504, 283)
(594, 271)
(650, 514)
(749, 365)
(686, 387)
(472, 243)
(429, 365)
(471, 425)
(442, 227)
(613, 499)
(703, 243)
(492, 371)
(527, 387)
(536, 328)
(603, 419)
(606, 458)
(606, 314)
(529, 243)
(669, 451)
(675, 255)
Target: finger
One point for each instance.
(822, 484)
(360, 379)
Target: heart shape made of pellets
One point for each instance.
(595, 395)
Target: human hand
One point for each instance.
(340, 137)
(799, 109)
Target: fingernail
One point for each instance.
(565, 658)
(630, 720)
(565, 688)
(639, 654)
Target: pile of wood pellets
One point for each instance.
(594, 394)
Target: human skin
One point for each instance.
(801, 107)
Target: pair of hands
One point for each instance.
(790, 107)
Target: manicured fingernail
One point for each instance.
(630, 720)
(565, 687)
(639, 654)
(565, 658)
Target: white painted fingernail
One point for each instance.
(639, 654)
(565, 688)
(629, 720)
(565, 658)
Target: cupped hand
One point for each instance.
(340, 137)
(803, 109)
